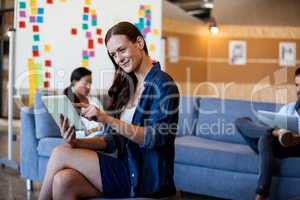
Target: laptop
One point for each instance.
(276, 120)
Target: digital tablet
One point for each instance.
(276, 120)
(61, 104)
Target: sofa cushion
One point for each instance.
(46, 145)
(216, 117)
(188, 112)
(45, 124)
(193, 150)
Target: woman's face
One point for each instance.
(126, 54)
(83, 86)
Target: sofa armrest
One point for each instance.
(28, 145)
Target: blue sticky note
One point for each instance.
(39, 19)
(148, 23)
(22, 5)
(35, 48)
(85, 17)
(36, 38)
(40, 11)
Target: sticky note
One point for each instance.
(141, 13)
(152, 47)
(63, 1)
(40, 11)
(47, 48)
(35, 28)
(86, 10)
(156, 32)
(85, 57)
(147, 7)
(98, 31)
(33, 3)
(46, 84)
(50, 1)
(48, 63)
(91, 44)
(35, 53)
(30, 63)
(85, 17)
(93, 12)
(100, 41)
(85, 26)
(22, 5)
(47, 74)
(85, 63)
(94, 22)
(92, 53)
(39, 19)
(142, 7)
(36, 38)
(148, 23)
(33, 11)
(87, 2)
(22, 24)
(35, 47)
(22, 13)
(88, 34)
(32, 19)
(73, 31)
(84, 53)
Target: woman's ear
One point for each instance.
(140, 42)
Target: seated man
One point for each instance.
(271, 143)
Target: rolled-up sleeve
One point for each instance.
(160, 129)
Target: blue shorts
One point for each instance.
(115, 177)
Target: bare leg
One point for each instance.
(69, 184)
(82, 160)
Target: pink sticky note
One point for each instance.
(22, 13)
(88, 34)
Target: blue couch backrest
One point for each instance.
(216, 117)
(188, 115)
(44, 123)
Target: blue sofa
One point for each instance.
(211, 157)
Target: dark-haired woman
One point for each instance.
(78, 92)
(141, 130)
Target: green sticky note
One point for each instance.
(23, 5)
(36, 38)
(85, 57)
(94, 22)
(85, 26)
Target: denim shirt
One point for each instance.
(151, 164)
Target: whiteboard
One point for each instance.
(53, 37)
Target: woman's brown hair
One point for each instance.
(124, 84)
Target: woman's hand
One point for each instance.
(66, 131)
(92, 112)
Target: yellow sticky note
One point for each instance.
(33, 3)
(141, 13)
(152, 47)
(33, 11)
(93, 12)
(84, 63)
(31, 64)
(47, 48)
(63, 1)
(155, 32)
(87, 2)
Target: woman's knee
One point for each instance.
(241, 122)
(265, 142)
(62, 183)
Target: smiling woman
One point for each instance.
(141, 124)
